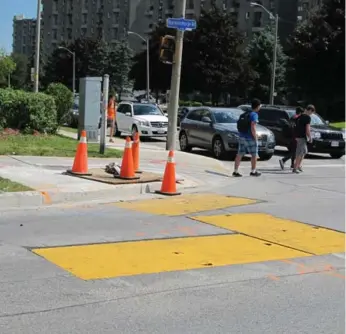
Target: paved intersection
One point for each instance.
(256, 263)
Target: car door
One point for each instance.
(126, 118)
(190, 126)
(205, 131)
(120, 117)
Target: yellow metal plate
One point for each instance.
(307, 238)
(153, 256)
(186, 204)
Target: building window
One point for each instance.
(190, 4)
(257, 21)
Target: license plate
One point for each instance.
(161, 131)
(335, 144)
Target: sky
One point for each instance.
(8, 9)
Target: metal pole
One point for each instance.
(148, 70)
(37, 52)
(272, 85)
(74, 74)
(104, 113)
(175, 82)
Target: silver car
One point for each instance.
(215, 129)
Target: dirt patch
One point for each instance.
(99, 175)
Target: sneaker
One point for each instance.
(295, 171)
(282, 164)
(300, 169)
(255, 173)
(236, 174)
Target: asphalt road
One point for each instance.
(230, 270)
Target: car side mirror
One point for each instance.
(206, 120)
(128, 114)
(327, 122)
(283, 121)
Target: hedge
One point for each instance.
(27, 111)
(63, 98)
(190, 104)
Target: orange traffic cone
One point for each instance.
(135, 153)
(127, 171)
(169, 186)
(80, 164)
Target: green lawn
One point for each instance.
(10, 186)
(52, 146)
(67, 129)
(340, 125)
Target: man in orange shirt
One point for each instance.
(111, 116)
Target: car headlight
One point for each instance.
(232, 136)
(271, 137)
(315, 135)
(144, 123)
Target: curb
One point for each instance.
(49, 198)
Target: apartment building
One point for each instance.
(24, 32)
(67, 20)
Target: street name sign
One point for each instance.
(181, 24)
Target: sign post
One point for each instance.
(180, 24)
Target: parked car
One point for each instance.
(74, 113)
(326, 139)
(145, 118)
(215, 129)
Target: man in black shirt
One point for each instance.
(303, 136)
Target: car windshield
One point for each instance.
(316, 119)
(149, 109)
(226, 115)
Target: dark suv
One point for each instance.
(326, 139)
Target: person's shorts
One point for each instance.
(302, 147)
(110, 122)
(248, 146)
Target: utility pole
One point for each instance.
(37, 52)
(103, 129)
(272, 85)
(175, 81)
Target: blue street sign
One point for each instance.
(181, 24)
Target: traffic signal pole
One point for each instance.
(175, 82)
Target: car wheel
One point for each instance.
(184, 143)
(265, 156)
(336, 155)
(218, 148)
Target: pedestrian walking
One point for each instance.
(303, 135)
(291, 134)
(248, 138)
(111, 115)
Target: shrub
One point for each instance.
(27, 111)
(63, 100)
(189, 104)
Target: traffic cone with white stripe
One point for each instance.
(169, 186)
(80, 164)
(127, 172)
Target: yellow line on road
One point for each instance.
(101, 261)
(312, 239)
(186, 204)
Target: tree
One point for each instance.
(91, 60)
(19, 77)
(213, 60)
(160, 74)
(317, 58)
(7, 67)
(119, 63)
(260, 54)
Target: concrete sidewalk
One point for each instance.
(45, 176)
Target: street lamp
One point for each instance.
(148, 51)
(276, 18)
(73, 67)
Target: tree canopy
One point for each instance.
(7, 66)
(260, 54)
(317, 57)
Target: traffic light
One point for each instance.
(167, 49)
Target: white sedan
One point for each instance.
(146, 119)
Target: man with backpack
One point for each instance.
(291, 133)
(248, 138)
